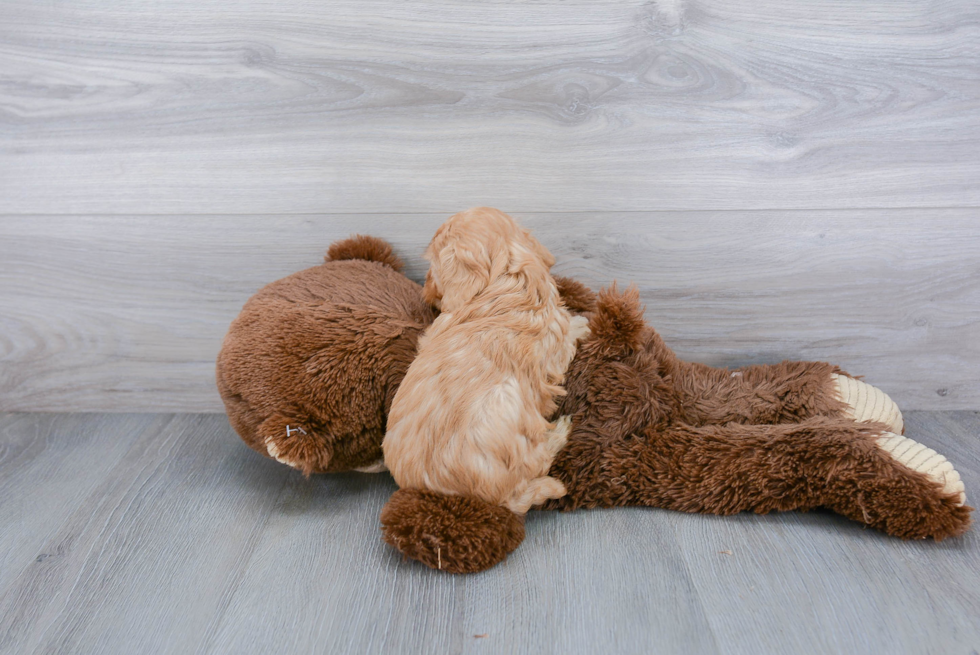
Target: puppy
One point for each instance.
(469, 417)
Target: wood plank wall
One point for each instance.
(783, 180)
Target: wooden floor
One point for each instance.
(163, 533)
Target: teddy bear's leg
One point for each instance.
(787, 392)
(859, 470)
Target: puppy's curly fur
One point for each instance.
(470, 416)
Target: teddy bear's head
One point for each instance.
(308, 370)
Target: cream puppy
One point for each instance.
(470, 416)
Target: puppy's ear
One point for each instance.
(467, 261)
(530, 262)
(526, 251)
(546, 256)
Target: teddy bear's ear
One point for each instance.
(527, 251)
(618, 318)
(368, 248)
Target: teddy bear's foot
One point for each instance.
(924, 460)
(867, 404)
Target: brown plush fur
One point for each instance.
(369, 249)
(768, 439)
(648, 429)
(323, 350)
(480, 535)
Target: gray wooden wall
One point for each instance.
(782, 179)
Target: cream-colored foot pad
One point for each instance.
(866, 403)
(924, 460)
(374, 467)
(270, 446)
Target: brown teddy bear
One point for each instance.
(309, 368)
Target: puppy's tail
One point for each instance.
(456, 534)
(364, 247)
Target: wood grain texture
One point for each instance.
(296, 106)
(128, 313)
(172, 525)
(45, 475)
(185, 541)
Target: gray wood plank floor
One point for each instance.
(163, 533)
(210, 106)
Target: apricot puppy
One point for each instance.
(469, 417)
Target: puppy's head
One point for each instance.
(474, 248)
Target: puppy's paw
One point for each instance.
(534, 493)
(551, 488)
(578, 328)
(558, 435)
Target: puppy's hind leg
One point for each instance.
(558, 435)
(534, 493)
(578, 328)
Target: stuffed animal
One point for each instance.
(309, 368)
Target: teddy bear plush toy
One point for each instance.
(309, 368)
